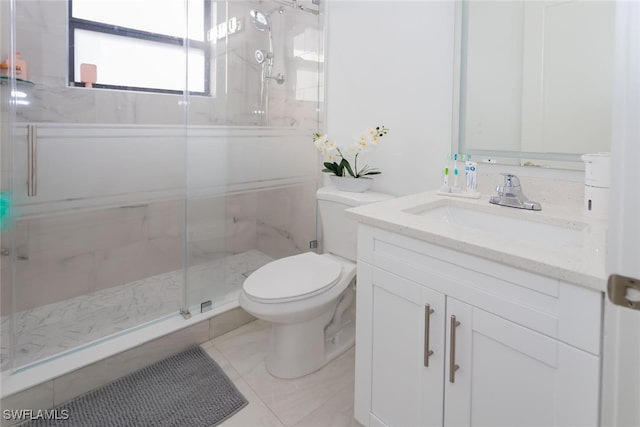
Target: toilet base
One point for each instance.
(298, 349)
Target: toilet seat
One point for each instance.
(292, 278)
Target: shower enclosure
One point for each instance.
(149, 168)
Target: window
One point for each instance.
(140, 44)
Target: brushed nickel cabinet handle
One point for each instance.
(452, 353)
(32, 189)
(428, 311)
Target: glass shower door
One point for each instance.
(96, 173)
(251, 165)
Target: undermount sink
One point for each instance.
(518, 229)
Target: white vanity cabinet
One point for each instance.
(450, 339)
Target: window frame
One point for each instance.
(104, 28)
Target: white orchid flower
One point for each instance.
(330, 145)
(340, 159)
(366, 142)
(320, 140)
(330, 156)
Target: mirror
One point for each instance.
(535, 80)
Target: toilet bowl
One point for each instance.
(309, 298)
(299, 343)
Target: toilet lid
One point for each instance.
(293, 277)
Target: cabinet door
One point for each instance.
(407, 353)
(509, 375)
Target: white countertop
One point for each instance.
(581, 262)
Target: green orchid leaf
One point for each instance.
(334, 168)
(366, 170)
(345, 164)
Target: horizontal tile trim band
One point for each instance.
(38, 210)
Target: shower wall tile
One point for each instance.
(52, 102)
(241, 222)
(207, 239)
(41, 281)
(39, 22)
(205, 111)
(204, 210)
(166, 219)
(145, 258)
(5, 293)
(17, 234)
(100, 373)
(38, 397)
(74, 234)
(206, 229)
(157, 108)
(276, 242)
(286, 111)
(114, 106)
(241, 235)
(69, 255)
(286, 220)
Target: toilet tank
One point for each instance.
(340, 233)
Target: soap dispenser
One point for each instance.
(597, 172)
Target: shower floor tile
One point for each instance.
(55, 328)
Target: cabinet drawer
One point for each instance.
(560, 310)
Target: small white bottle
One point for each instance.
(471, 177)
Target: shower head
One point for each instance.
(261, 19)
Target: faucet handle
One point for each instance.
(510, 180)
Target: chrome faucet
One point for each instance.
(510, 194)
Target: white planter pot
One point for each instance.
(349, 183)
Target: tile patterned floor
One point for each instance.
(54, 328)
(321, 399)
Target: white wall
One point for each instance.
(391, 63)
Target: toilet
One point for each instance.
(308, 298)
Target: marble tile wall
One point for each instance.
(65, 256)
(41, 37)
(286, 220)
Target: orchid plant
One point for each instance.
(335, 156)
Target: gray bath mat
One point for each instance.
(186, 389)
